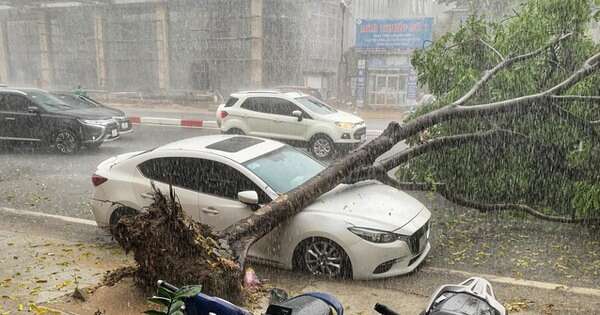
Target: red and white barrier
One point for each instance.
(184, 123)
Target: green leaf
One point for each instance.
(160, 300)
(188, 291)
(162, 292)
(154, 312)
(177, 313)
(175, 307)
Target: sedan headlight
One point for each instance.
(344, 125)
(97, 122)
(375, 236)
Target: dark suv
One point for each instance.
(34, 115)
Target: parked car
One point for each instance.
(34, 115)
(366, 230)
(297, 118)
(85, 102)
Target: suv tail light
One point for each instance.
(98, 180)
(223, 114)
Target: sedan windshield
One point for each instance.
(315, 105)
(49, 102)
(284, 169)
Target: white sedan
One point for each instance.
(367, 230)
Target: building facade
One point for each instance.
(382, 37)
(163, 48)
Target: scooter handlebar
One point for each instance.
(384, 310)
(166, 285)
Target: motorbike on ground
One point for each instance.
(190, 301)
(473, 296)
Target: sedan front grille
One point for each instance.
(414, 241)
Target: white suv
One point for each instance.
(294, 117)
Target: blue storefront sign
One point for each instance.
(392, 33)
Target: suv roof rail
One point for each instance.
(258, 91)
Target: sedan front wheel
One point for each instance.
(323, 257)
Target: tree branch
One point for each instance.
(446, 142)
(488, 75)
(492, 49)
(583, 125)
(588, 67)
(576, 98)
(491, 207)
(453, 111)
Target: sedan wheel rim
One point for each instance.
(322, 148)
(323, 258)
(65, 142)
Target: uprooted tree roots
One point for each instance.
(169, 245)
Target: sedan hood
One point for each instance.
(374, 205)
(343, 117)
(88, 113)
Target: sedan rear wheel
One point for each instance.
(66, 142)
(323, 257)
(118, 214)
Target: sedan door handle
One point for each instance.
(210, 210)
(147, 195)
(10, 118)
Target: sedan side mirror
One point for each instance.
(298, 114)
(249, 197)
(33, 110)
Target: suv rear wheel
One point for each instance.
(322, 147)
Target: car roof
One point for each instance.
(269, 93)
(234, 147)
(21, 90)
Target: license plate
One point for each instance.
(115, 132)
(124, 125)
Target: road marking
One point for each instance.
(518, 282)
(46, 215)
